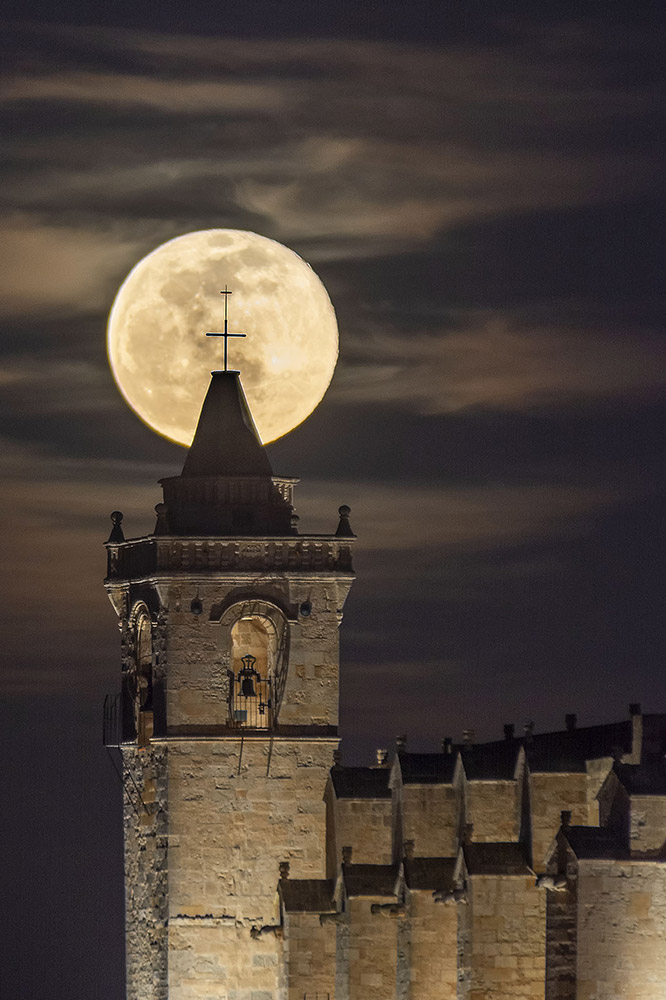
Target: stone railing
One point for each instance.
(143, 557)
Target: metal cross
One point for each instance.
(226, 333)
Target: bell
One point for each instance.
(247, 688)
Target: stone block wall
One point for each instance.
(431, 818)
(505, 947)
(647, 823)
(146, 872)
(217, 960)
(312, 687)
(364, 825)
(237, 805)
(432, 946)
(621, 930)
(197, 684)
(309, 955)
(493, 809)
(372, 955)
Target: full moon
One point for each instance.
(161, 357)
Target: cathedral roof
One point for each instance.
(491, 761)
(643, 779)
(433, 874)
(499, 858)
(226, 442)
(361, 782)
(427, 768)
(594, 843)
(563, 752)
(370, 880)
(306, 895)
(569, 750)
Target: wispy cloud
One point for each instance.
(495, 362)
(343, 148)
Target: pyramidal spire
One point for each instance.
(226, 442)
(227, 485)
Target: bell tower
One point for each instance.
(227, 720)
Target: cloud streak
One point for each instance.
(495, 362)
(344, 148)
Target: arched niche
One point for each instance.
(255, 637)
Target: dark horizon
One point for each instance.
(482, 196)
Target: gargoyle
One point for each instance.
(555, 883)
(388, 909)
(275, 929)
(450, 896)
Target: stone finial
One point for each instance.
(284, 869)
(565, 818)
(344, 529)
(382, 757)
(634, 707)
(162, 523)
(401, 743)
(408, 848)
(529, 731)
(294, 523)
(346, 855)
(468, 736)
(570, 721)
(337, 758)
(509, 730)
(447, 745)
(116, 535)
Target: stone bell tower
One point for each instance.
(227, 719)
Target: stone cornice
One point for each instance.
(167, 555)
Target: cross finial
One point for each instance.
(226, 333)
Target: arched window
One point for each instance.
(252, 678)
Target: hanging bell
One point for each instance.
(247, 688)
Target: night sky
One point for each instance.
(479, 186)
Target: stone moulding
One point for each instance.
(202, 920)
(142, 557)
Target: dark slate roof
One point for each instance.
(306, 895)
(563, 752)
(361, 782)
(643, 779)
(370, 880)
(226, 442)
(432, 874)
(491, 761)
(501, 858)
(427, 768)
(568, 750)
(594, 842)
